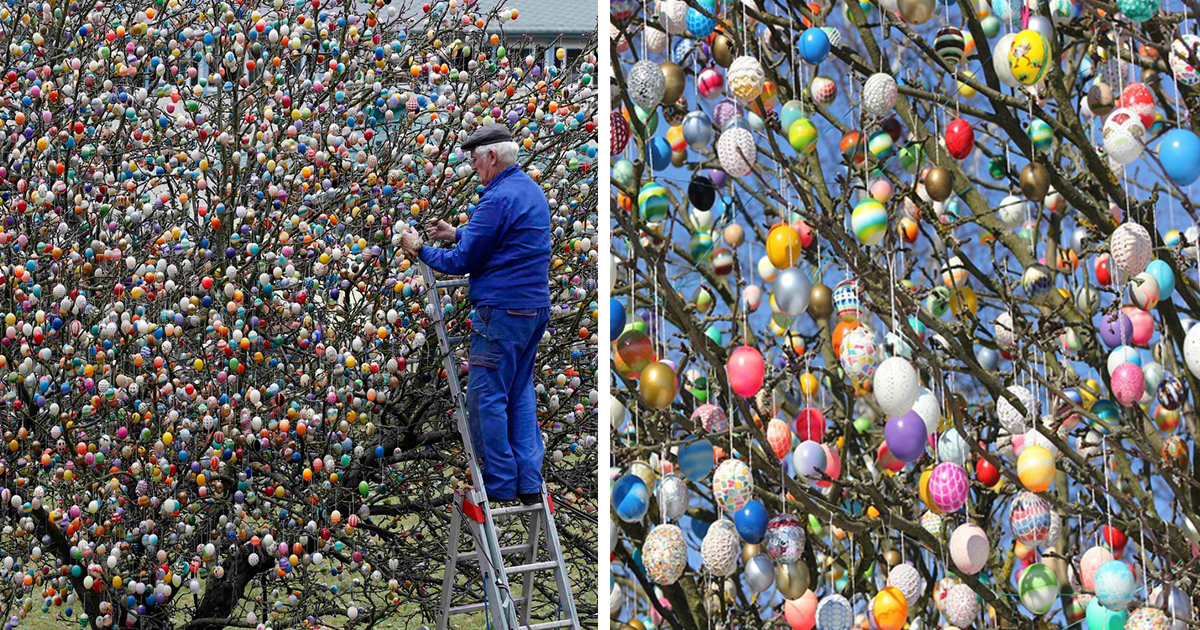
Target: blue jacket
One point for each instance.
(505, 246)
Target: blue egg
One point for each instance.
(1114, 585)
(1101, 618)
(1179, 152)
(660, 153)
(696, 460)
(988, 358)
(630, 498)
(699, 527)
(790, 113)
(814, 46)
(1163, 275)
(616, 317)
(751, 522)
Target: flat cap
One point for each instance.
(487, 134)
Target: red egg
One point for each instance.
(960, 138)
(986, 473)
(1138, 98)
(1103, 275)
(810, 424)
(1114, 537)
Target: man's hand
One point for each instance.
(411, 242)
(442, 231)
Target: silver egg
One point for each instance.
(792, 291)
(698, 131)
(672, 496)
(760, 572)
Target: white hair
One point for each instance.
(506, 151)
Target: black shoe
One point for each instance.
(530, 498)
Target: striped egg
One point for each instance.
(1040, 133)
(653, 202)
(869, 221)
(881, 144)
(950, 45)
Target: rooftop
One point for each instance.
(541, 17)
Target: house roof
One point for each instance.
(539, 17)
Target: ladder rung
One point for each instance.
(464, 557)
(447, 284)
(467, 608)
(562, 623)
(535, 566)
(516, 509)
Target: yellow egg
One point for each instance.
(1035, 468)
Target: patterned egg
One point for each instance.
(1175, 452)
(1139, 10)
(845, 300)
(736, 151)
(959, 606)
(933, 522)
(1170, 393)
(1010, 418)
(941, 588)
(1182, 50)
(745, 78)
(1092, 560)
(1124, 136)
(1029, 57)
(711, 417)
(858, 352)
(664, 554)
(905, 577)
(834, 612)
(949, 486)
(950, 45)
(784, 540)
(1146, 618)
(1138, 98)
(1130, 247)
(646, 83)
(1038, 588)
(779, 435)
(1030, 518)
(824, 90)
(719, 550)
(879, 94)
(733, 484)
(620, 132)
(699, 24)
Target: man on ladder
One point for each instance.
(505, 247)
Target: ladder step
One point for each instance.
(516, 509)
(464, 557)
(447, 284)
(467, 608)
(562, 623)
(535, 566)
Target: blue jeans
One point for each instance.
(501, 402)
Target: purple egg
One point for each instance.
(905, 436)
(1115, 330)
(718, 177)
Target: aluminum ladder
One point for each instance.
(471, 508)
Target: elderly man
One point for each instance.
(505, 247)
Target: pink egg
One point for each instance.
(1143, 324)
(711, 84)
(801, 614)
(881, 190)
(1090, 563)
(1128, 384)
(833, 465)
